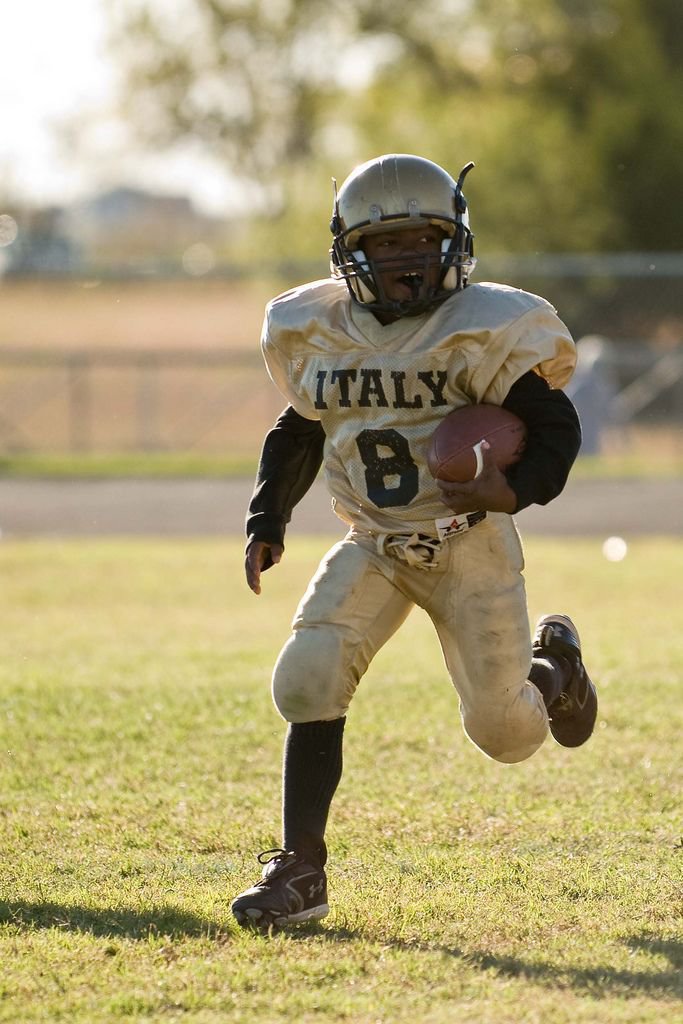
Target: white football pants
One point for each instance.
(474, 595)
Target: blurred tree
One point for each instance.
(250, 80)
(570, 108)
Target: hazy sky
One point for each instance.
(53, 65)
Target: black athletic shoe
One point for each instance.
(289, 891)
(572, 716)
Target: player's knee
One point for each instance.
(512, 727)
(507, 753)
(308, 679)
(506, 745)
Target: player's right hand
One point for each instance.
(260, 556)
(488, 492)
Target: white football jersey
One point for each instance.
(380, 391)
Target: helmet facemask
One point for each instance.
(436, 201)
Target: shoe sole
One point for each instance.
(255, 918)
(313, 914)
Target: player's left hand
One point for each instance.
(488, 492)
(259, 556)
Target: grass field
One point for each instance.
(638, 461)
(140, 776)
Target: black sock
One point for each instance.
(311, 772)
(551, 674)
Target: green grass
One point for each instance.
(140, 760)
(645, 463)
(109, 465)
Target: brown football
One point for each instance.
(454, 453)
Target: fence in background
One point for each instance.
(107, 400)
(213, 401)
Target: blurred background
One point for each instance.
(166, 167)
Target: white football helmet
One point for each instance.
(393, 192)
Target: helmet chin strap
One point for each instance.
(422, 300)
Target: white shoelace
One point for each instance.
(415, 549)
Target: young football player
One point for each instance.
(370, 361)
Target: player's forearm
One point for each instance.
(553, 442)
(290, 459)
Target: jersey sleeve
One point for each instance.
(281, 368)
(537, 341)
